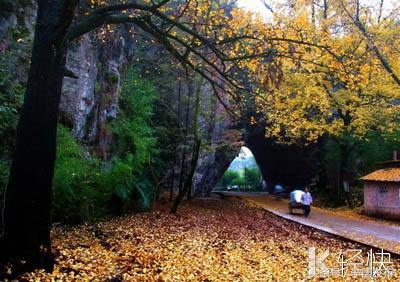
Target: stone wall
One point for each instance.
(382, 199)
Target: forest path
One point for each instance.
(375, 233)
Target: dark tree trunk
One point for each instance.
(27, 211)
(182, 168)
(183, 160)
(189, 179)
(345, 172)
(196, 149)
(195, 160)
(171, 193)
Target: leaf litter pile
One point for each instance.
(209, 240)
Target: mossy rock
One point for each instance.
(112, 77)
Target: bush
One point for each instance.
(84, 187)
(11, 99)
(132, 129)
(79, 194)
(135, 144)
(228, 177)
(252, 177)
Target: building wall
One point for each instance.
(382, 199)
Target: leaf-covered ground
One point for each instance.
(209, 240)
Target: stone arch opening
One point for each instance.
(242, 175)
(289, 165)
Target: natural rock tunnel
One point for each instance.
(90, 101)
(289, 165)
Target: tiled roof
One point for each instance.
(391, 174)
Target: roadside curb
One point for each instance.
(320, 227)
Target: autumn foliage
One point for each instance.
(209, 240)
(332, 68)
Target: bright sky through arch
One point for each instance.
(245, 152)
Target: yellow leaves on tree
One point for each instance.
(322, 76)
(316, 67)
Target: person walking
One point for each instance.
(306, 200)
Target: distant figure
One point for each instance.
(278, 189)
(306, 199)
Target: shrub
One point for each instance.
(132, 129)
(135, 144)
(79, 194)
(84, 187)
(11, 98)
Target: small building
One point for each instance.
(382, 191)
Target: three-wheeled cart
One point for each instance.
(295, 201)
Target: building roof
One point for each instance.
(390, 174)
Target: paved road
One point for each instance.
(374, 233)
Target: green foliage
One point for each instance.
(135, 144)
(14, 61)
(120, 177)
(228, 177)
(356, 158)
(12, 92)
(79, 193)
(239, 181)
(132, 129)
(11, 98)
(249, 180)
(84, 187)
(377, 148)
(252, 177)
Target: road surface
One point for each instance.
(369, 232)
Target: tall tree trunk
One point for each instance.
(342, 170)
(171, 191)
(195, 153)
(345, 172)
(171, 194)
(189, 179)
(27, 211)
(197, 140)
(380, 11)
(182, 168)
(183, 164)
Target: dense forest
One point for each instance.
(108, 107)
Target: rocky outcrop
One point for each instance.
(286, 164)
(222, 144)
(78, 99)
(212, 166)
(16, 15)
(90, 101)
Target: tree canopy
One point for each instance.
(334, 69)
